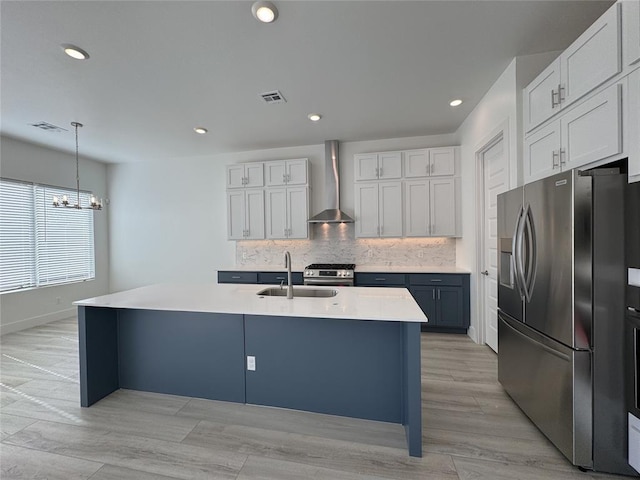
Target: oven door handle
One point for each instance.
(330, 282)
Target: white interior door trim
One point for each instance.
(499, 133)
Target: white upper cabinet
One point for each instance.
(287, 211)
(378, 209)
(631, 31)
(588, 132)
(428, 162)
(429, 208)
(442, 198)
(591, 60)
(245, 214)
(633, 133)
(243, 175)
(541, 96)
(287, 172)
(442, 161)
(378, 166)
(592, 130)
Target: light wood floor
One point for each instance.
(471, 428)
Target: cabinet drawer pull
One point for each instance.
(280, 278)
(436, 279)
(438, 294)
(433, 294)
(380, 279)
(236, 277)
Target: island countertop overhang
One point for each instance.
(354, 303)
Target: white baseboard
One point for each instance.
(471, 332)
(36, 321)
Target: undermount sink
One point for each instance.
(297, 292)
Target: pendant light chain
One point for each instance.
(76, 124)
(94, 204)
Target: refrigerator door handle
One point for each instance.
(518, 253)
(532, 260)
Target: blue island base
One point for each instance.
(355, 368)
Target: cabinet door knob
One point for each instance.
(555, 155)
(554, 104)
(486, 273)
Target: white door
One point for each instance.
(366, 209)
(390, 210)
(540, 98)
(276, 210)
(235, 215)
(275, 173)
(443, 207)
(254, 175)
(298, 212)
(442, 161)
(366, 166)
(593, 58)
(631, 29)
(591, 131)
(495, 181)
(416, 163)
(254, 214)
(416, 208)
(390, 165)
(235, 176)
(297, 172)
(542, 153)
(633, 139)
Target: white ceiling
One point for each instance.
(373, 69)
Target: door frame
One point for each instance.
(501, 132)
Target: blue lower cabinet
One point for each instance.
(276, 278)
(237, 277)
(266, 278)
(444, 298)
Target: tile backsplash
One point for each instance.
(336, 243)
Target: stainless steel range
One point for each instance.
(331, 274)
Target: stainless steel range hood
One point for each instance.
(332, 212)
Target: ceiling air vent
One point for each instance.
(273, 97)
(48, 127)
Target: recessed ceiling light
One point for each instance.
(200, 130)
(75, 52)
(314, 117)
(266, 12)
(455, 103)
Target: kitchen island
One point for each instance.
(355, 354)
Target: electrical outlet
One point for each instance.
(251, 363)
(420, 254)
(370, 253)
(244, 255)
(58, 300)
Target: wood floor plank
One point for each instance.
(10, 424)
(262, 468)
(321, 452)
(101, 416)
(145, 402)
(469, 469)
(111, 472)
(293, 421)
(61, 390)
(17, 463)
(187, 462)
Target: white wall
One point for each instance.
(28, 162)
(501, 107)
(169, 219)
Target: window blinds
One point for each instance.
(41, 244)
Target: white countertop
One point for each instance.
(359, 269)
(356, 303)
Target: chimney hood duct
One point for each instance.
(332, 212)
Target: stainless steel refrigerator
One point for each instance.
(561, 282)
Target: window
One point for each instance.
(39, 243)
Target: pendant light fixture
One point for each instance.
(95, 204)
